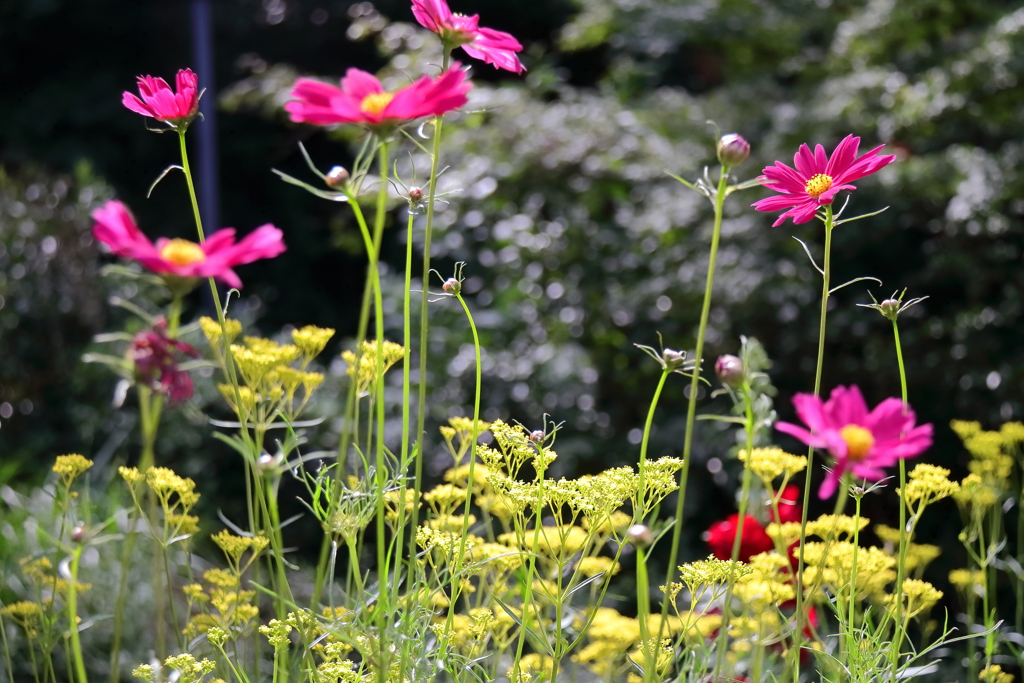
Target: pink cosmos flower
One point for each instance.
(216, 257)
(362, 99)
(860, 441)
(162, 104)
(154, 356)
(817, 178)
(456, 30)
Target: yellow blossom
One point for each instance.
(68, 467)
(772, 463)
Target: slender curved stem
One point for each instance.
(691, 408)
(894, 652)
(647, 425)
(76, 643)
(825, 278)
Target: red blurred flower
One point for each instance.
(817, 178)
(154, 356)
(163, 104)
(457, 30)
(721, 535)
(362, 99)
(860, 441)
(216, 257)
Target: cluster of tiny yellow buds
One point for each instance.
(164, 482)
(785, 533)
(833, 526)
(362, 364)
(760, 594)
(277, 633)
(928, 484)
(874, 566)
(1012, 433)
(463, 426)
(993, 673)
(711, 571)
(445, 496)
(460, 476)
(183, 525)
(214, 333)
(616, 523)
(494, 557)
(592, 566)
(191, 670)
(221, 578)
(68, 467)
(337, 672)
(965, 429)
(25, 613)
(450, 524)
(968, 580)
(659, 479)
(976, 494)
(920, 555)
(993, 469)
(245, 395)
(217, 636)
(557, 542)
(236, 546)
(532, 667)
(253, 364)
(772, 463)
(920, 596)
(767, 565)
(311, 340)
(985, 444)
(38, 569)
(193, 592)
(131, 475)
(143, 671)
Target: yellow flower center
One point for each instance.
(818, 184)
(182, 252)
(375, 103)
(858, 441)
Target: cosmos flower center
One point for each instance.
(182, 252)
(818, 184)
(375, 103)
(858, 441)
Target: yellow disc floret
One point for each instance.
(858, 441)
(817, 185)
(376, 103)
(182, 252)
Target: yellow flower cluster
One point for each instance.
(189, 670)
(919, 596)
(362, 363)
(831, 564)
(928, 484)
(277, 633)
(771, 463)
(968, 581)
(69, 467)
(993, 673)
(235, 547)
(176, 496)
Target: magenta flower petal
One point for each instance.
(160, 102)
(493, 47)
(818, 178)
(860, 441)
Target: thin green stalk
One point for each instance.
(7, 649)
(723, 631)
(421, 402)
(1018, 582)
(851, 641)
(691, 408)
(76, 643)
(647, 425)
(894, 655)
(825, 278)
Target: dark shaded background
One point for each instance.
(578, 245)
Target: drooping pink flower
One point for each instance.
(456, 30)
(216, 257)
(161, 103)
(154, 356)
(817, 178)
(362, 99)
(860, 441)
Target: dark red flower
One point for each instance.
(155, 357)
(722, 534)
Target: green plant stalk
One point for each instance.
(76, 643)
(723, 631)
(850, 640)
(530, 573)
(691, 407)
(7, 649)
(826, 277)
(643, 611)
(647, 426)
(894, 653)
(428, 232)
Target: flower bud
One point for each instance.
(640, 534)
(673, 359)
(536, 436)
(265, 461)
(733, 150)
(78, 534)
(337, 177)
(890, 308)
(730, 370)
(452, 286)
(415, 195)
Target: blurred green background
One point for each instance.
(578, 244)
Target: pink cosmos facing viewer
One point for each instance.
(161, 103)
(362, 99)
(817, 179)
(860, 441)
(456, 30)
(216, 257)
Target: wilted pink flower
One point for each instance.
(216, 257)
(456, 30)
(362, 99)
(860, 441)
(161, 103)
(817, 178)
(154, 356)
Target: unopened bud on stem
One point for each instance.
(337, 177)
(78, 534)
(673, 359)
(452, 286)
(536, 436)
(733, 150)
(640, 534)
(730, 370)
(890, 308)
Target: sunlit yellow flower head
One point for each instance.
(69, 467)
(771, 463)
(311, 340)
(993, 673)
(362, 364)
(928, 484)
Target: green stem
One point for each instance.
(643, 611)
(723, 631)
(421, 402)
(825, 278)
(691, 408)
(894, 655)
(76, 643)
(851, 642)
(647, 425)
